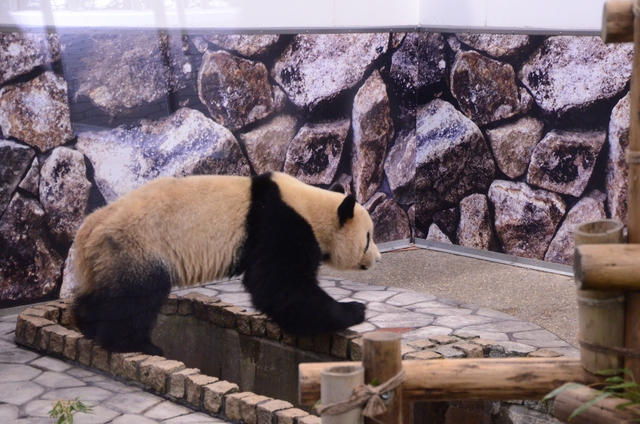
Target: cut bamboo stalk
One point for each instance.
(460, 379)
(617, 21)
(607, 267)
(632, 319)
(603, 411)
(382, 360)
(338, 384)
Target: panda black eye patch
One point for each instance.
(368, 240)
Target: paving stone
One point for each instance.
(461, 321)
(266, 411)
(407, 319)
(133, 419)
(426, 332)
(491, 335)
(409, 298)
(57, 380)
(365, 327)
(494, 314)
(516, 349)
(449, 352)
(373, 296)
(80, 373)
(235, 298)
(50, 364)
(132, 403)
(421, 344)
(115, 387)
(443, 311)
(213, 395)
(9, 412)
(98, 415)
(19, 392)
(536, 335)
(10, 373)
(92, 395)
(351, 285)
(569, 352)
(39, 408)
(337, 292)
(471, 350)
(195, 418)
(543, 353)
(166, 410)
(505, 326)
(383, 307)
(232, 287)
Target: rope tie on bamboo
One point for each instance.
(612, 350)
(367, 395)
(633, 157)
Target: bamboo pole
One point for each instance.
(632, 319)
(607, 267)
(382, 360)
(338, 384)
(473, 378)
(617, 21)
(603, 411)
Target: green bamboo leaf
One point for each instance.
(588, 404)
(561, 389)
(627, 385)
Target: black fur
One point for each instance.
(345, 210)
(281, 261)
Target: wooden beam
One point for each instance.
(460, 379)
(603, 411)
(607, 267)
(617, 21)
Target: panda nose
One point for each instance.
(363, 267)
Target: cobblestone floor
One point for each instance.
(31, 383)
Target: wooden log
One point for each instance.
(607, 267)
(382, 360)
(338, 384)
(617, 21)
(603, 411)
(460, 379)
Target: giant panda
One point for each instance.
(178, 232)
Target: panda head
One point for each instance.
(352, 244)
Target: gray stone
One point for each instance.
(10, 373)
(525, 219)
(236, 91)
(617, 169)
(51, 364)
(36, 112)
(38, 408)
(484, 88)
(195, 418)
(245, 44)
(443, 311)
(9, 412)
(501, 46)
(64, 192)
(31, 181)
(450, 352)
(513, 143)
(373, 296)
(474, 229)
(487, 335)
(17, 393)
(14, 161)
(460, 321)
(390, 222)
(400, 167)
(267, 144)
(452, 159)
(58, 380)
(28, 270)
(17, 356)
(503, 326)
(166, 410)
(563, 161)
(562, 246)
(569, 72)
(133, 419)
(315, 68)
(372, 130)
(123, 72)
(21, 52)
(314, 153)
(69, 284)
(132, 403)
(409, 298)
(516, 349)
(426, 332)
(98, 415)
(86, 393)
(184, 143)
(419, 63)
(435, 234)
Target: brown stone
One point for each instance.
(248, 407)
(85, 350)
(71, 345)
(355, 349)
(154, 374)
(56, 338)
(218, 314)
(340, 343)
(290, 416)
(30, 328)
(258, 325)
(309, 419)
(421, 344)
(267, 410)
(130, 366)
(193, 387)
(274, 332)
(176, 382)
(244, 321)
(544, 353)
(443, 339)
(232, 405)
(423, 354)
(170, 306)
(471, 350)
(47, 312)
(100, 358)
(214, 395)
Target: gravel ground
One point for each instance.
(543, 298)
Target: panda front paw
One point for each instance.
(352, 313)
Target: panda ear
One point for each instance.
(337, 187)
(345, 210)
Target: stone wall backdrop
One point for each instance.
(489, 141)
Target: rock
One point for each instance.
(246, 44)
(314, 153)
(37, 112)
(474, 229)
(123, 72)
(435, 234)
(236, 91)
(315, 68)
(452, 159)
(570, 72)
(419, 63)
(345, 180)
(415, 233)
(390, 222)
(69, 285)
(64, 192)
(372, 131)
(485, 88)
(14, 162)
(400, 167)
(562, 246)
(563, 161)
(30, 267)
(31, 181)
(617, 170)
(267, 144)
(21, 52)
(447, 221)
(500, 46)
(525, 219)
(513, 143)
(184, 143)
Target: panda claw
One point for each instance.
(353, 313)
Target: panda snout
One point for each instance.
(363, 267)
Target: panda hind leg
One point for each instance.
(120, 315)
